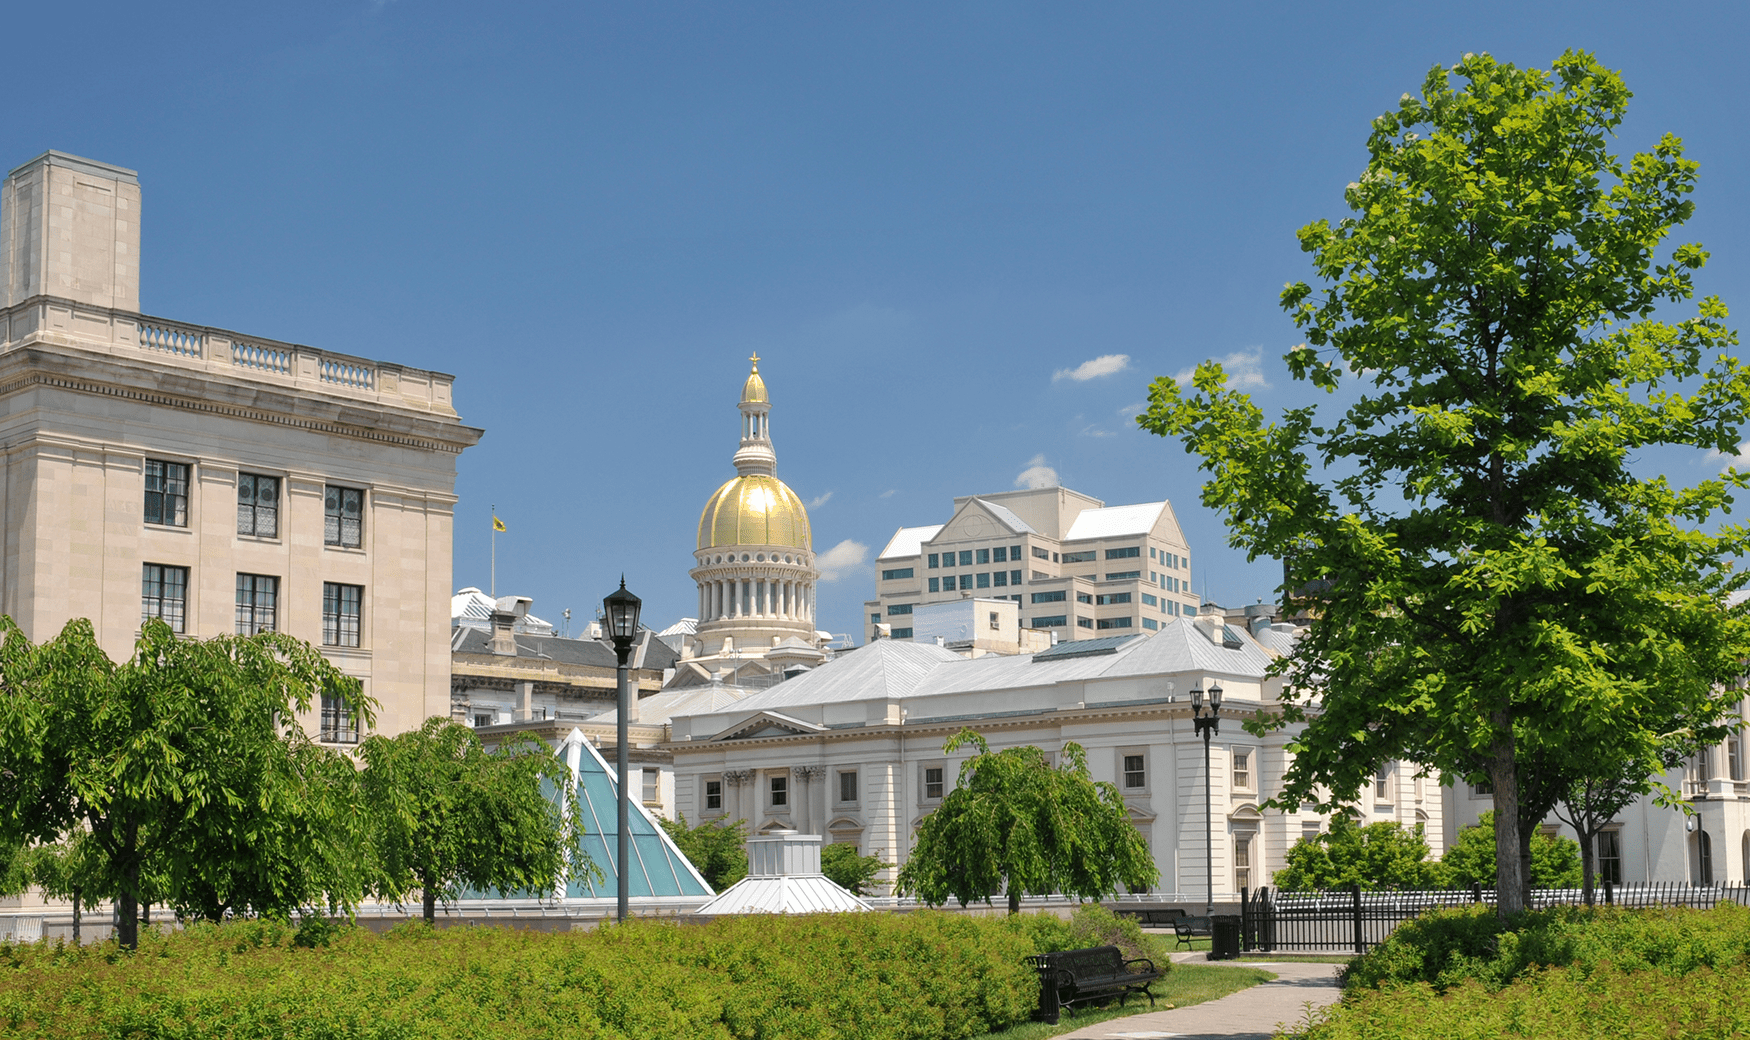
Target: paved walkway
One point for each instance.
(1250, 1014)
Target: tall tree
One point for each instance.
(1494, 585)
(448, 815)
(171, 768)
(1016, 822)
(1383, 855)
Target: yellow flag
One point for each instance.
(497, 524)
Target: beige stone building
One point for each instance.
(1076, 567)
(220, 481)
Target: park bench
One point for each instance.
(1188, 928)
(1151, 916)
(1099, 971)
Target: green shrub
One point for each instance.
(1090, 925)
(929, 976)
(1445, 948)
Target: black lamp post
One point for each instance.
(620, 618)
(1207, 726)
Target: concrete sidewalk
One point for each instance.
(1250, 1014)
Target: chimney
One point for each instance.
(504, 633)
(70, 227)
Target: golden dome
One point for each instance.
(754, 390)
(754, 509)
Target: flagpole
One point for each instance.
(494, 582)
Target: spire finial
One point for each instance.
(755, 358)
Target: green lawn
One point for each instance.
(1185, 984)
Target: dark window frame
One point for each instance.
(258, 515)
(156, 600)
(341, 528)
(337, 597)
(258, 597)
(167, 486)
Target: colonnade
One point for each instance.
(783, 599)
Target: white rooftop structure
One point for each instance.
(471, 608)
(784, 878)
(1115, 521)
(907, 541)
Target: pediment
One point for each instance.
(845, 823)
(768, 724)
(975, 521)
(1141, 813)
(1246, 812)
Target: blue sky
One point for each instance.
(918, 215)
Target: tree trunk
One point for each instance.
(1510, 874)
(127, 925)
(428, 897)
(1586, 866)
(75, 917)
(1014, 897)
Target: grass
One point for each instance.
(1184, 985)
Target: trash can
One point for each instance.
(1049, 1008)
(1224, 941)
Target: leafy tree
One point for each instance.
(716, 848)
(170, 771)
(1017, 823)
(1555, 862)
(1495, 593)
(68, 869)
(852, 872)
(447, 814)
(1380, 855)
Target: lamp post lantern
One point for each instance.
(1207, 726)
(620, 625)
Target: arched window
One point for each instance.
(1704, 860)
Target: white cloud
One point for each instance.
(841, 559)
(1131, 411)
(1104, 365)
(1096, 430)
(1037, 474)
(1741, 459)
(821, 501)
(889, 493)
(1244, 370)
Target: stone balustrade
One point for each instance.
(221, 352)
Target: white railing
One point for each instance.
(172, 340)
(345, 373)
(261, 358)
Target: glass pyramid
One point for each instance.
(657, 867)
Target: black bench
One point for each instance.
(1188, 928)
(1151, 916)
(1079, 975)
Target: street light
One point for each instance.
(620, 615)
(1207, 726)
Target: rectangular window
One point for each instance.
(780, 786)
(1610, 856)
(898, 608)
(1135, 778)
(1243, 858)
(848, 785)
(1000, 579)
(342, 612)
(1123, 575)
(258, 505)
(166, 493)
(340, 725)
(933, 559)
(164, 595)
(966, 557)
(1081, 557)
(1041, 553)
(343, 517)
(258, 597)
(713, 795)
(1014, 577)
(1084, 597)
(1129, 553)
(1040, 575)
(1242, 770)
(902, 633)
(875, 618)
(652, 788)
(1151, 552)
(1083, 622)
(1014, 554)
(1000, 554)
(1054, 621)
(1149, 622)
(935, 584)
(1115, 622)
(1148, 600)
(966, 581)
(933, 782)
(981, 557)
(995, 621)
(896, 574)
(1382, 784)
(1482, 789)
(984, 579)
(1735, 757)
(1106, 599)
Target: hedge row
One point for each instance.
(930, 976)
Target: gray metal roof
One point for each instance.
(784, 894)
(885, 668)
(1007, 516)
(657, 656)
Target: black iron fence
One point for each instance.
(1351, 920)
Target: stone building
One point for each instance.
(1076, 567)
(221, 481)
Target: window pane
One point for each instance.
(847, 787)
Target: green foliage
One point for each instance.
(1015, 822)
(1555, 862)
(715, 848)
(1378, 856)
(845, 868)
(1090, 925)
(446, 814)
(923, 976)
(1446, 948)
(181, 773)
(1496, 593)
